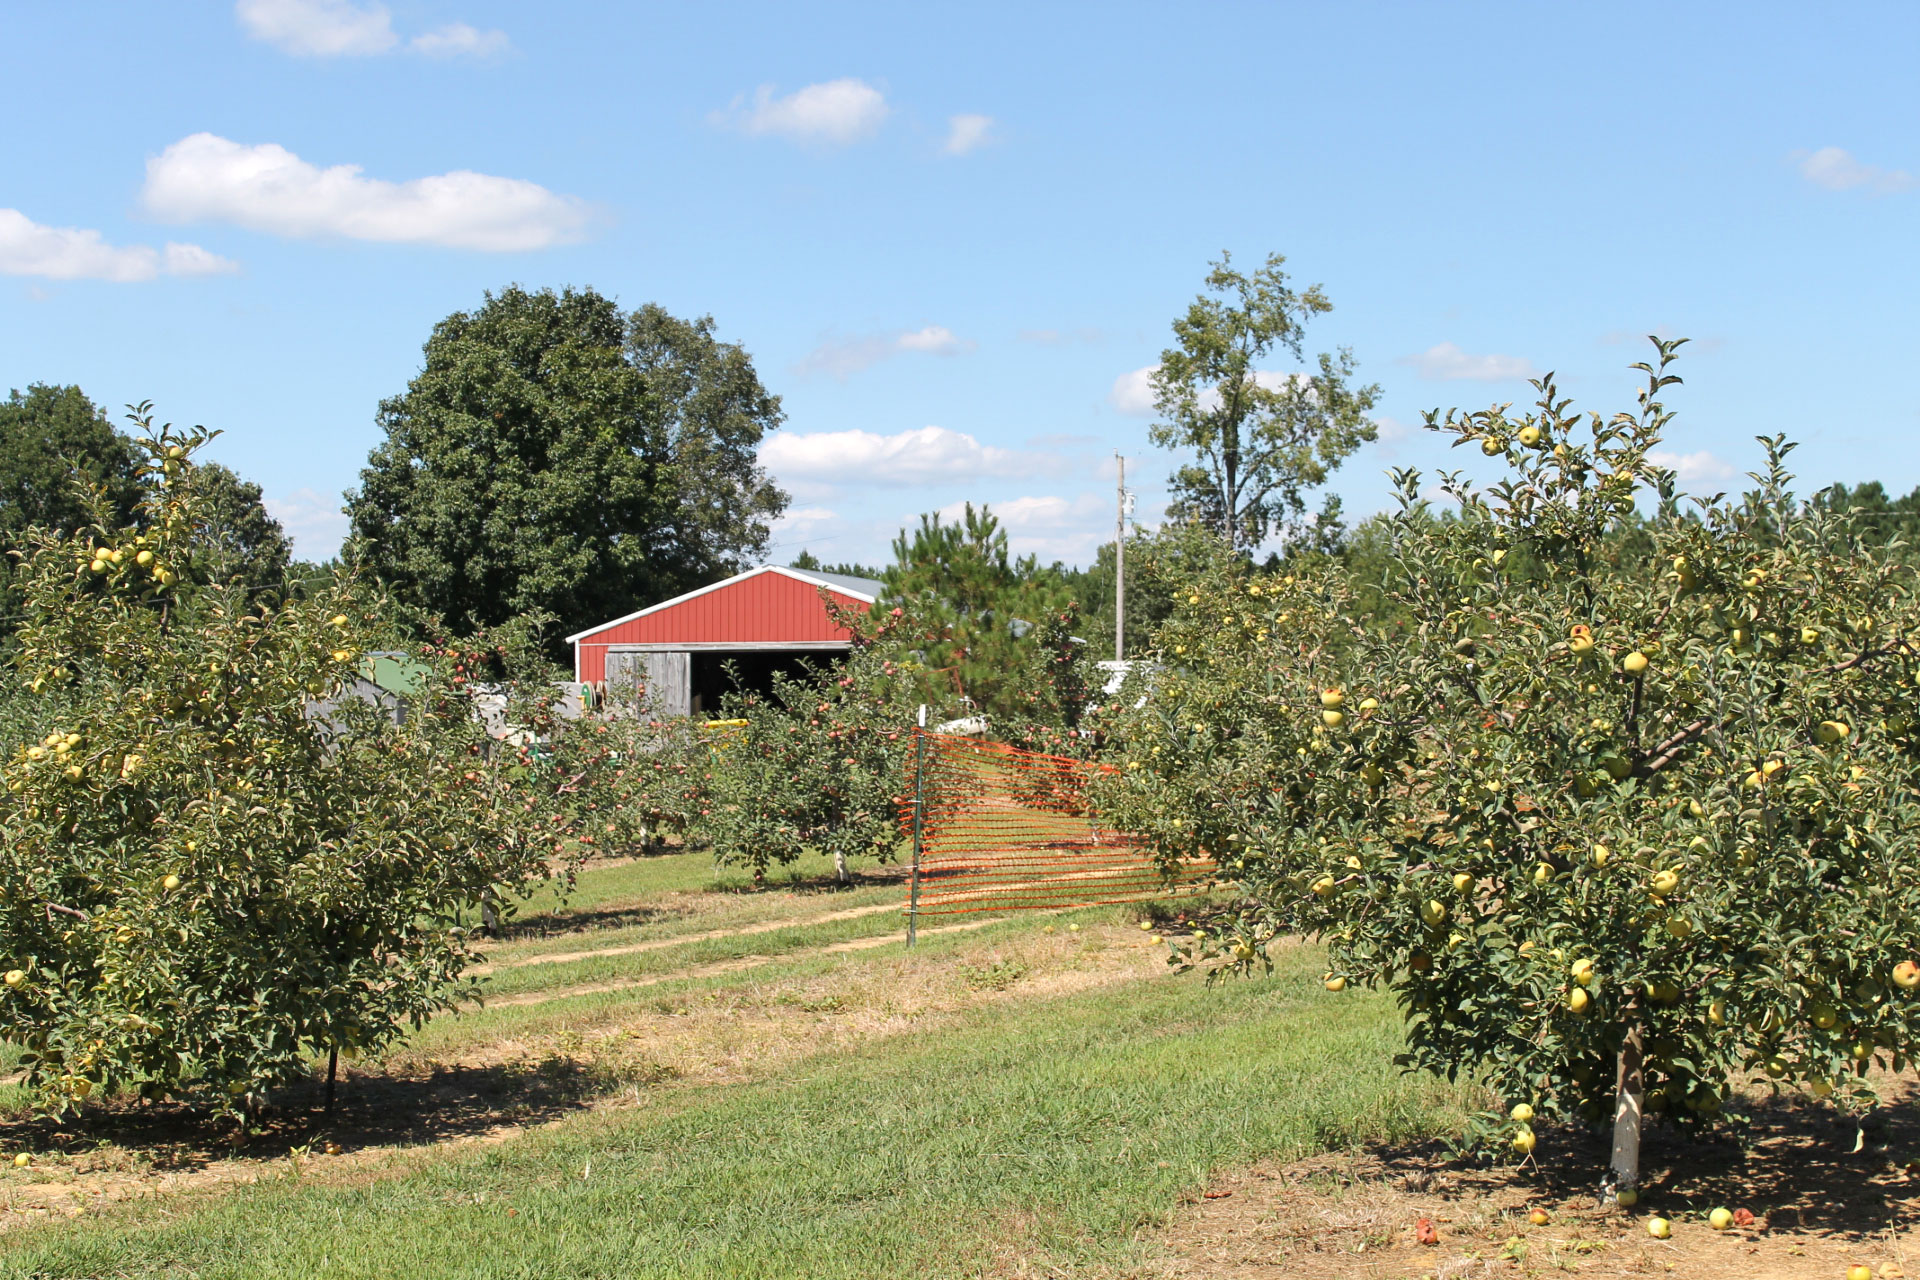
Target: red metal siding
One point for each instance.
(767, 608)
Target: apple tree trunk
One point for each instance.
(1629, 1099)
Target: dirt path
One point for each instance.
(662, 944)
(726, 966)
(1818, 1207)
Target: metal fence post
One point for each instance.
(919, 826)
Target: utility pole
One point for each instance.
(1120, 563)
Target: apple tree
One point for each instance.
(1613, 789)
(214, 867)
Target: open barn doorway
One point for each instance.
(715, 675)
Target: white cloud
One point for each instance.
(1133, 392)
(342, 28)
(72, 253)
(927, 456)
(1692, 468)
(966, 132)
(1448, 363)
(1836, 169)
(835, 111)
(317, 525)
(268, 188)
(458, 40)
(319, 28)
(843, 356)
(935, 340)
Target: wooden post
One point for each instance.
(333, 1067)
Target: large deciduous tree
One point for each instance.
(556, 456)
(237, 542)
(55, 446)
(1262, 438)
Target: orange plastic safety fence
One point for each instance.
(1003, 829)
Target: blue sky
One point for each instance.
(953, 235)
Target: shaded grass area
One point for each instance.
(678, 872)
(1050, 1130)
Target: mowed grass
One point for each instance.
(1034, 1136)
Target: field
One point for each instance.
(676, 1076)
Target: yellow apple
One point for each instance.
(1582, 972)
(1336, 984)
(1680, 927)
(1434, 913)
(1601, 855)
(1543, 873)
(1578, 1000)
(1906, 975)
(1523, 1141)
(15, 977)
(1331, 698)
(1634, 663)
(1521, 1113)
(1492, 445)
(1664, 883)
(1832, 731)
(22, 1160)
(1539, 1217)
(1333, 719)
(1659, 1228)
(1720, 1219)
(1717, 1013)
(170, 883)
(1626, 1197)
(1581, 644)
(1462, 882)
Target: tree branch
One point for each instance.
(1667, 752)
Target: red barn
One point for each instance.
(761, 621)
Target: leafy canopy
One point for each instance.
(556, 456)
(1621, 833)
(215, 861)
(1262, 438)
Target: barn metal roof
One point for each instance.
(862, 589)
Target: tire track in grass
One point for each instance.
(662, 944)
(726, 966)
